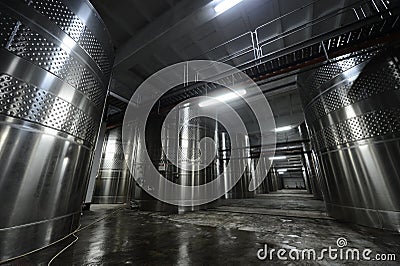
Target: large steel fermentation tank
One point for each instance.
(352, 108)
(185, 148)
(113, 176)
(55, 64)
(309, 161)
(241, 188)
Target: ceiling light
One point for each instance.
(225, 5)
(223, 98)
(282, 170)
(285, 128)
(277, 158)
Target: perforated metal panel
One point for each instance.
(374, 124)
(353, 94)
(190, 136)
(7, 25)
(27, 43)
(45, 54)
(60, 14)
(92, 46)
(367, 85)
(21, 100)
(327, 72)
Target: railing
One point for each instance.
(266, 39)
(305, 37)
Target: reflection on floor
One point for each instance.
(230, 234)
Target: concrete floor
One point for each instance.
(228, 235)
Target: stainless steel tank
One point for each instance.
(274, 180)
(55, 64)
(264, 186)
(184, 147)
(352, 108)
(309, 161)
(113, 176)
(241, 189)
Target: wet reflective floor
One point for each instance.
(228, 235)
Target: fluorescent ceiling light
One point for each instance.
(277, 158)
(225, 5)
(285, 128)
(223, 98)
(282, 170)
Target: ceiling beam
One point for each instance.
(170, 2)
(182, 18)
(116, 19)
(140, 7)
(131, 81)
